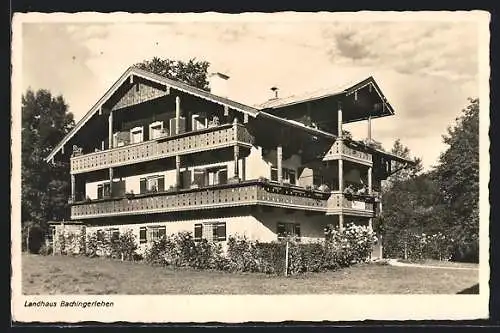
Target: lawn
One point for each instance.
(80, 275)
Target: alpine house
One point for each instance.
(157, 156)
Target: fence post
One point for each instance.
(286, 258)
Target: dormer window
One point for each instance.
(136, 135)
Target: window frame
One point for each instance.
(217, 231)
(295, 231)
(136, 130)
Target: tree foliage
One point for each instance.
(443, 201)
(45, 187)
(458, 176)
(192, 72)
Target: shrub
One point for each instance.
(46, 250)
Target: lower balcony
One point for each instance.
(245, 193)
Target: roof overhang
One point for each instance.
(356, 99)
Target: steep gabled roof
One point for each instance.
(132, 71)
(343, 90)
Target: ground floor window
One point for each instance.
(212, 232)
(288, 230)
(152, 233)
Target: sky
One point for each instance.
(426, 67)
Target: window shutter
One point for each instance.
(172, 126)
(197, 232)
(292, 177)
(223, 176)
(186, 179)
(142, 235)
(99, 192)
(221, 231)
(162, 231)
(199, 177)
(182, 125)
(274, 174)
(143, 185)
(297, 230)
(281, 230)
(161, 183)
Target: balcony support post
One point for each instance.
(177, 114)
(341, 175)
(279, 163)
(236, 150)
(73, 182)
(236, 161)
(339, 120)
(370, 180)
(369, 129)
(110, 129)
(111, 182)
(177, 171)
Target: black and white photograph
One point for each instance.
(210, 167)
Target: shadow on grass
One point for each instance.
(471, 290)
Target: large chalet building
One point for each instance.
(157, 156)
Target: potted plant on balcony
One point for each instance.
(130, 195)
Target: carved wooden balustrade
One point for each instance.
(360, 205)
(162, 147)
(218, 196)
(341, 149)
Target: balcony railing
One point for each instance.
(340, 149)
(162, 147)
(350, 204)
(218, 196)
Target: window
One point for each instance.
(152, 233)
(288, 175)
(136, 135)
(212, 232)
(152, 184)
(113, 234)
(288, 229)
(155, 130)
(217, 176)
(156, 233)
(142, 235)
(103, 190)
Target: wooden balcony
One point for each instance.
(163, 147)
(342, 150)
(218, 196)
(358, 205)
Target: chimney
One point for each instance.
(275, 92)
(218, 84)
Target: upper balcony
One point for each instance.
(162, 147)
(247, 193)
(350, 204)
(342, 150)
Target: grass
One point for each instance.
(80, 275)
(438, 263)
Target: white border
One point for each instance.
(241, 308)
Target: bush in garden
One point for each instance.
(125, 246)
(242, 254)
(270, 257)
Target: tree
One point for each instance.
(45, 187)
(192, 72)
(405, 203)
(457, 176)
